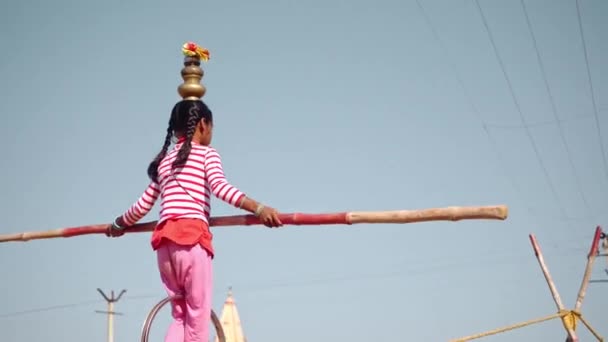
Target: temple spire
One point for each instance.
(231, 321)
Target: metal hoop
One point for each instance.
(148, 322)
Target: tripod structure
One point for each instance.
(569, 318)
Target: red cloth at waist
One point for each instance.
(185, 232)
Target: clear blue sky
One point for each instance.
(320, 106)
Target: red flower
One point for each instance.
(191, 47)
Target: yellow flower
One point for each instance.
(190, 49)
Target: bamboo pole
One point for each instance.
(498, 212)
(507, 328)
(569, 325)
(590, 328)
(593, 251)
(605, 247)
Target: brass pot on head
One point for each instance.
(192, 73)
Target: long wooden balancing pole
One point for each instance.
(497, 212)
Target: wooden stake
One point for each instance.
(593, 251)
(568, 324)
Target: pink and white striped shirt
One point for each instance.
(186, 192)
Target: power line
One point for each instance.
(469, 99)
(491, 257)
(49, 308)
(64, 306)
(541, 123)
(521, 115)
(590, 80)
(489, 260)
(554, 107)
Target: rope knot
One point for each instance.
(569, 318)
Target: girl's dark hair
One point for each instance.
(185, 116)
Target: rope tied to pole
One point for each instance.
(569, 318)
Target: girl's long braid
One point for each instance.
(194, 116)
(184, 151)
(153, 167)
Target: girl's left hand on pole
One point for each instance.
(116, 228)
(270, 217)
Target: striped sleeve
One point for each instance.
(217, 180)
(142, 206)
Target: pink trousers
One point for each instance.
(187, 270)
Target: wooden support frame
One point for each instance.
(569, 318)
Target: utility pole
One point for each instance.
(110, 312)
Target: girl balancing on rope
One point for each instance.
(184, 177)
